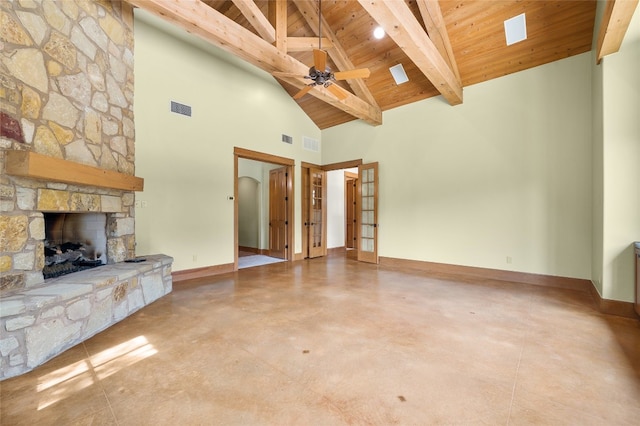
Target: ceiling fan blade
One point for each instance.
(285, 74)
(338, 91)
(346, 75)
(319, 59)
(302, 92)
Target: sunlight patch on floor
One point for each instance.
(112, 360)
(58, 384)
(75, 377)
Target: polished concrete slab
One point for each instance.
(332, 341)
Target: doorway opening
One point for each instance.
(350, 212)
(253, 238)
(263, 208)
(337, 217)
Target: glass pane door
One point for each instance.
(317, 213)
(367, 212)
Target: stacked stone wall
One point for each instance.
(66, 91)
(41, 322)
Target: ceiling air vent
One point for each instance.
(287, 139)
(311, 144)
(180, 108)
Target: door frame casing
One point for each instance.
(265, 158)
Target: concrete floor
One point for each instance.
(333, 341)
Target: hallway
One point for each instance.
(248, 259)
(332, 341)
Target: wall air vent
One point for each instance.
(180, 108)
(311, 144)
(287, 139)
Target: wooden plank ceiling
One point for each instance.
(443, 45)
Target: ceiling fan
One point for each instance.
(320, 74)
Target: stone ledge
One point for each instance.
(41, 322)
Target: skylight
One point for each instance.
(397, 71)
(515, 29)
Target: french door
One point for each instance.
(317, 212)
(367, 213)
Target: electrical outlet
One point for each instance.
(137, 204)
(143, 204)
(195, 257)
(509, 260)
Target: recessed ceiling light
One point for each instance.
(378, 33)
(397, 71)
(515, 29)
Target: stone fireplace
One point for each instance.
(67, 147)
(23, 228)
(73, 242)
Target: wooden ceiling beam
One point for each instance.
(257, 20)
(309, 11)
(278, 18)
(306, 44)
(402, 26)
(613, 26)
(199, 19)
(437, 32)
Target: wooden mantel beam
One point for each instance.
(402, 26)
(613, 26)
(37, 166)
(197, 18)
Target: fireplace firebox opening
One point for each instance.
(74, 242)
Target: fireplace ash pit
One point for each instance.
(67, 258)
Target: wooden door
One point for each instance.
(350, 196)
(317, 212)
(305, 212)
(637, 255)
(367, 212)
(278, 213)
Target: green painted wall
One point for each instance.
(617, 161)
(187, 162)
(505, 174)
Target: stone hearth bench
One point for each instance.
(40, 322)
